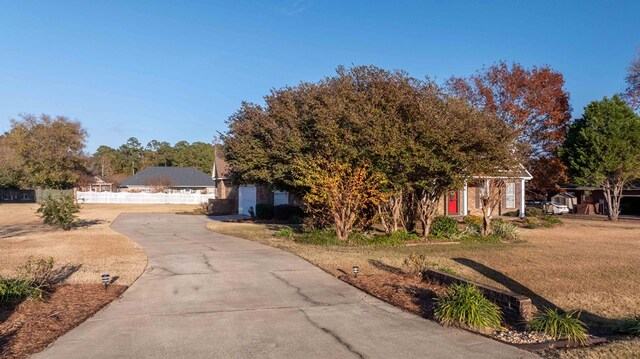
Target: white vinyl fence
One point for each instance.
(142, 198)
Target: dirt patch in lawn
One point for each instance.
(32, 325)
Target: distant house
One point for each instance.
(239, 199)
(169, 180)
(97, 184)
(591, 199)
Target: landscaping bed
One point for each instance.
(32, 325)
(417, 296)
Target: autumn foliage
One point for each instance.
(533, 102)
(345, 193)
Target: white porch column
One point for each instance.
(465, 201)
(522, 206)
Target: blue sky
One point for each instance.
(176, 70)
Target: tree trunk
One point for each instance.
(427, 206)
(486, 221)
(409, 211)
(612, 190)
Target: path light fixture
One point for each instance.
(106, 279)
(356, 270)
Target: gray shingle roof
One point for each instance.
(170, 177)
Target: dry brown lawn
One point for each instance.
(579, 265)
(94, 246)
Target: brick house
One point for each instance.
(461, 202)
(232, 199)
(466, 200)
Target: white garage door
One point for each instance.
(246, 199)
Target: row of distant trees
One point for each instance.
(132, 156)
(48, 152)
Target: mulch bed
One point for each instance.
(32, 325)
(403, 291)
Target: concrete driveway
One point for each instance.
(207, 295)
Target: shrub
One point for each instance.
(288, 212)
(13, 291)
(296, 220)
(264, 211)
(504, 229)
(39, 272)
(444, 227)
(530, 222)
(33, 279)
(630, 326)
(475, 221)
(465, 305)
(560, 325)
(533, 212)
(286, 232)
(511, 214)
(416, 263)
(59, 210)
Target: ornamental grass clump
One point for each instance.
(505, 230)
(464, 305)
(630, 326)
(559, 325)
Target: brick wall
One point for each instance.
(223, 207)
(264, 195)
(516, 308)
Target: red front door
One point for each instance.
(452, 202)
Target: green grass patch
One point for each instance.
(327, 237)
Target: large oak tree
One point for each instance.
(532, 101)
(421, 141)
(44, 152)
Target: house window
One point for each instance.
(511, 195)
(280, 198)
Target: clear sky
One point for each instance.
(176, 70)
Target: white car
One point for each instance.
(555, 208)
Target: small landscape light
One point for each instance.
(356, 270)
(106, 278)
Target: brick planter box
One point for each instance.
(516, 308)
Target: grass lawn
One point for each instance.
(584, 265)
